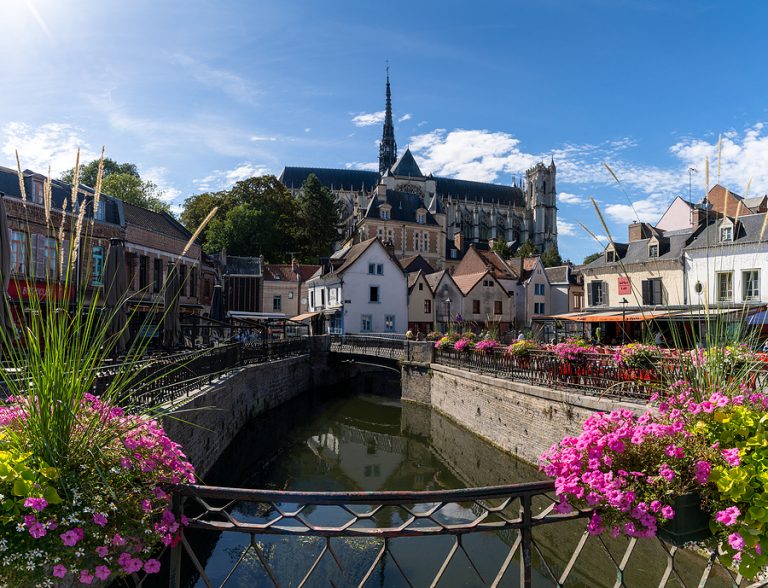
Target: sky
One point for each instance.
(203, 93)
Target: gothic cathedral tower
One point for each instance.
(387, 147)
(541, 205)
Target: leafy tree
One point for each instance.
(319, 220)
(501, 247)
(197, 207)
(133, 190)
(88, 171)
(591, 257)
(551, 257)
(258, 216)
(527, 249)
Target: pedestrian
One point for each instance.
(520, 336)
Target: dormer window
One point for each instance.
(653, 250)
(384, 215)
(726, 233)
(37, 191)
(385, 212)
(610, 256)
(421, 218)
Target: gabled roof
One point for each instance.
(748, 229)
(434, 279)
(347, 179)
(416, 263)
(345, 258)
(404, 206)
(725, 202)
(289, 273)
(671, 247)
(157, 222)
(558, 274)
(413, 279)
(407, 166)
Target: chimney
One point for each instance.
(636, 232)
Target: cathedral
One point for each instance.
(435, 217)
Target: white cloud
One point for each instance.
(566, 229)
(405, 117)
(224, 179)
(158, 175)
(258, 138)
(646, 210)
(367, 119)
(366, 165)
(307, 129)
(53, 144)
(568, 198)
(231, 84)
(479, 155)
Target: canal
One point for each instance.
(360, 437)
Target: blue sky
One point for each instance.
(202, 93)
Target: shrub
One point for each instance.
(521, 348)
(637, 355)
(463, 345)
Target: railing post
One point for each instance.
(526, 542)
(174, 573)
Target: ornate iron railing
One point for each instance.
(372, 345)
(493, 536)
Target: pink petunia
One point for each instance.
(59, 571)
(37, 504)
(99, 519)
(731, 456)
(728, 516)
(102, 551)
(86, 577)
(736, 541)
(667, 512)
(103, 572)
(152, 566)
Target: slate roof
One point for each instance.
(413, 279)
(557, 275)
(157, 222)
(60, 191)
(637, 251)
(343, 259)
(416, 263)
(407, 166)
(243, 266)
(289, 273)
(480, 191)
(349, 179)
(747, 229)
(404, 206)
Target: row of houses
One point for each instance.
(364, 288)
(699, 257)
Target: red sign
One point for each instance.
(624, 286)
(20, 290)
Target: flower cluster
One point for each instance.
(637, 355)
(463, 344)
(730, 358)
(486, 346)
(91, 522)
(521, 348)
(574, 350)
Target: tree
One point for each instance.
(88, 171)
(319, 220)
(258, 216)
(133, 190)
(591, 257)
(551, 257)
(501, 247)
(527, 249)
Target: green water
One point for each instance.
(360, 437)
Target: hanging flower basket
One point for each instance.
(691, 522)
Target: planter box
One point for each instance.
(691, 523)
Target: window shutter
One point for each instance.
(657, 292)
(605, 293)
(38, 247)
(590, 294)
(647, 295)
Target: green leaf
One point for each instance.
(22, 487)
(50, 494)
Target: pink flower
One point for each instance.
(37, 504)
(118, 540)
(59, 571)
(674, 451)
(37, 530)
(86, 577)
(70, 538)
(152, 566)
(102, 551)
(102, 572)
(728, 516)
(666, 473)
(562, 507)
(703, 469)
(736, 541)
(667, 512)
(125, 462)
(731, 456)
(99, 519)
(146, 506)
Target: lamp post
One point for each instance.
(623, 303)
(448, 303)
(699, 288)
(691, 171)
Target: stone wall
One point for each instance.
(208, 422)
(518, 418)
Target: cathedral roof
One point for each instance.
(508, 195)
(347, 179)
(404, 206)
(407, 166)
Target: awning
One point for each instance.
(759, 318)
(305, 317)
(252, 316)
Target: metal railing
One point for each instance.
(492, 536)
(373, 345)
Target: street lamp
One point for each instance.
(691, 171)
(623, 303)
(699, 288)
(448, 302)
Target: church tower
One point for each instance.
(387, 147)
(541, 205)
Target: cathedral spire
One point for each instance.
(387, 147)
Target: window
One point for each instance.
(487, 283)
(421, 286)
(538, 308)
(384, 214)
(373, 294)
(497, 307)
(18, 252)
(391, 236)
(610, 256)
(475, 307)
(97, 279)
(183, 280)
(143, 272)
(750, 284)
(539, 289)
(380, 269)
(277, 303)
(428, 307)
(37, 191)
(725, 286)
(389, 322)
(157, 278)
(322, 296)
(193, 282)
(371, 268)
(578, 300)
(653, 250)
(421, 218)
(416, 240)
(290, 295)
(726, 233)
(653, 293)
(101, 211)
(425, 242)
(597, 294)
(366, 323)
(49, 257)
(312, 299)
(380, 233)
(454, 254)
